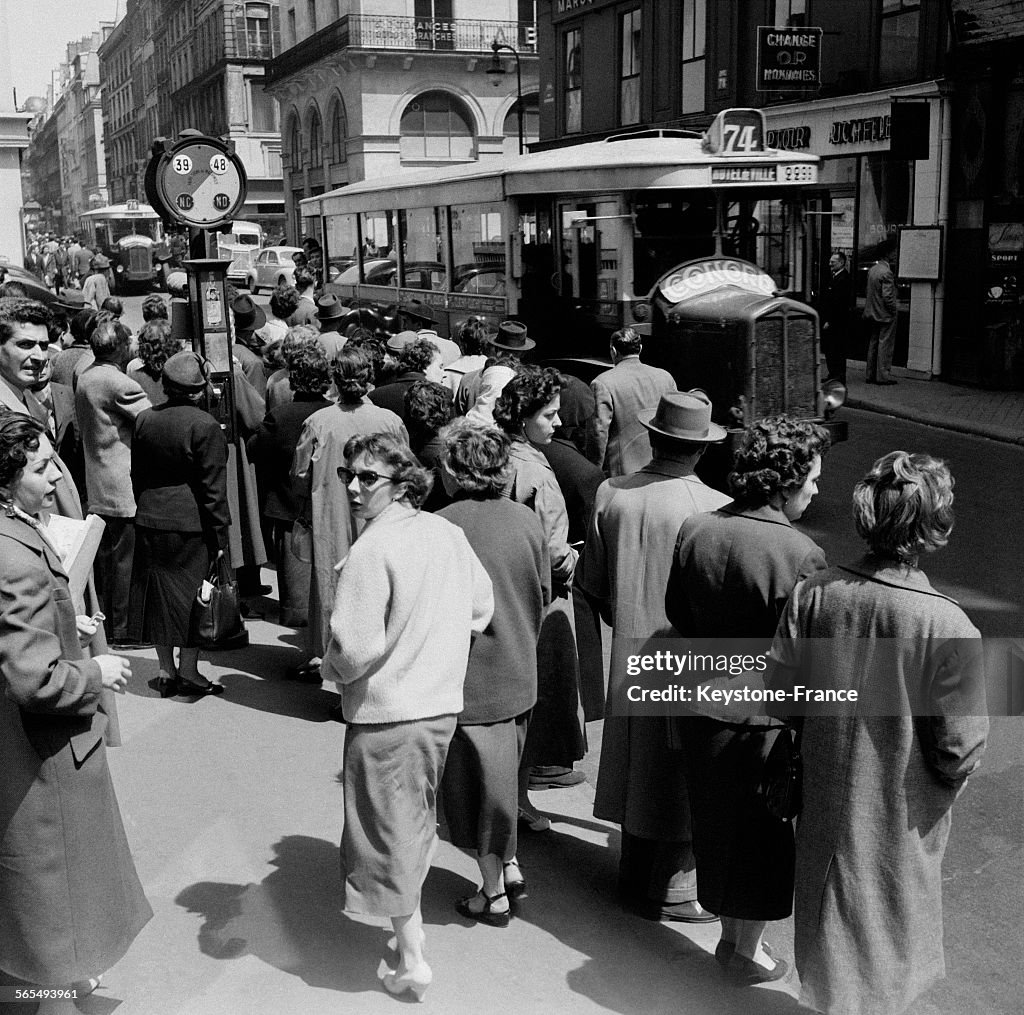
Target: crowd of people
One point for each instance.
(450, 525)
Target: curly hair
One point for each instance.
(19, 434)
(428, 406)
(417, 355)
(154, 308)
(476, 457)
(14, 311)
(156, 346)
(475, 337)
(398, 457)
(374, 347)
(904, 506)
(284, 301)
(302, 279)
(295, 339)
(777, 454)
(524, 396)
(353, 373)
(309, 373)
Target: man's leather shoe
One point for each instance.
(681, 912)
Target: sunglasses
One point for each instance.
(366, 478)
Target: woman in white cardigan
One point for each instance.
(410, 595)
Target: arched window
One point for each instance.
(339, 132)
(531, 124)
(295, 146)
(316, 140)
(436, 125)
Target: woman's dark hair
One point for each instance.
(399, 459)
(428, 407)
(777, 454)
(418, 355)
(302, 278)
(524, 396)
(374, 347)
(309, 373)
(477, 458)
(19, 434)
(114, 305)
(357, 331)
(154, 308)
(284, 301)
(82, 325)
(156, 346)
(353, 373)
(475, 337)
(904, 505)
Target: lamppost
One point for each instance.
(498, 72)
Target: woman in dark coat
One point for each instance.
(428, 408)
(880, 776)
(179, 475)
(156, 347)
(70, 898)
(480, 785)
(732, 572)
(271, 450)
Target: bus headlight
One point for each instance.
(119, 269)
(834, 392)
(641, 310)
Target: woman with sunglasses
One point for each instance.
(401, 629)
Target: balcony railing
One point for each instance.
(387, 32)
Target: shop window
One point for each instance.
(790, 13)
(573, 78)
(435, 125)
(886, 202)
(339, 132)
(694, 38)
(531, 125)
(898, 49)
(629, 68)
(316, 146)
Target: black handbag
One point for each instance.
(216, 623)
(782, 779)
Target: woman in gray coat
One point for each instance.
(880, 775)
(70, 899)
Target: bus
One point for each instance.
(128, 234)
(580, 241)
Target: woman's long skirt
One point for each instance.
(391, 776)
(480, 788)
(745, 856)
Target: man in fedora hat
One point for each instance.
(641, 783)
(249, 318)
(622, 445)
(329, 315)
(96, 289)
(511, 339)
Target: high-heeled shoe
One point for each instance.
(486, 914)
(515, 886)
(415, 981)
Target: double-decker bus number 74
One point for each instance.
(739, 138)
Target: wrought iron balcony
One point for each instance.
(405, 34)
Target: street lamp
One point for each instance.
(498, 72)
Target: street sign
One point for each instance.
(198, 181)
(788, 59)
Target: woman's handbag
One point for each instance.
(216, 623)
(782, 779)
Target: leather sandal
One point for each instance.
(485, 915)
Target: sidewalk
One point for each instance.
(998, 415)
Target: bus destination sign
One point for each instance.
(798, 172)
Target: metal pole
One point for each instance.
(519, 101)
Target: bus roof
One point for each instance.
(615, 164)
(121, 211)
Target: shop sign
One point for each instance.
(434, 32)
(788, 59)
(790, 139)
(567, 8)
(866, 130)
(700, 277)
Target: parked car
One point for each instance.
(273, 267)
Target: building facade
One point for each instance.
(370, 89)
(177, 64)
(880, 114)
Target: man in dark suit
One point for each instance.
(835, 324)
(880, 311)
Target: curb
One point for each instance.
(995, 433)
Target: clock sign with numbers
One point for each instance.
(199, 181)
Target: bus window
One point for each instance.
(478, 249)
(762, 232)
(669, 231)
(425, 248)
(378, 235)
(342, 244)
(591, 246)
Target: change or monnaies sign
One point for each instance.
(788, 59)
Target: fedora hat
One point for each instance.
(329, 308)
(683, 416)
(512, 336)
(71, 300)
(249, 316)
(185, 371)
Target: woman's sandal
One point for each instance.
(515, 888)
(485, 915)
